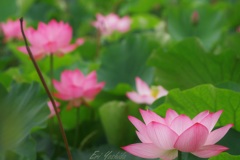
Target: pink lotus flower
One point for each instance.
(110, 23)
(11, 29)
(51, 108)
(144, 94)
(163, 137)
(51, 38)
(76, 88)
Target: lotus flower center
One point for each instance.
(154, 92)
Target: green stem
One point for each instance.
(179, 155)
(51, 121)
(51, 71)
(77, 127)
(98, 43)
(48, 92)
(86, 139)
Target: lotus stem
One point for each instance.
(48, 92)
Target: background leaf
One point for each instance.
(204, 97)
(208, 29)
(8, 9)
(225, 156)
(22, 109)
(25, 151)
(122, 62)
(117, 127)
(207, 97)
(187, 65)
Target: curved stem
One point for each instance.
(48, 92)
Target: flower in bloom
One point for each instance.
(51, 108)
(76, 88)
(144, 94)
(112, 22)
(163, 137)
(51, 38)
(11, 29)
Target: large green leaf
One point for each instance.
(8, 9)
(232, 141)
(25, 151)
(144, 21)
(209, 27)
(123, 61)
(118, 129)
(225, 156)
(139, 6)
(187, 65)
(207, 97)
(22, 109)
(204, 97)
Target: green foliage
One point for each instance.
(194, 66)
(198, 62)
(22, 109)
(122, 62)
(119, 131)
(208, 29)
(204, 97)
(25, 150)
(144, 21)
(231, 140)
(8, 9)
(224, 156)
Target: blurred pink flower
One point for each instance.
(11, 29)
(163, 137)
(51, 38)
(51, 108)
(76, 88)
(110, 23)
(144, 94)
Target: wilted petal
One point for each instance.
(161, 135)
(211, 119)
(51, 108)
(192, 139)
(217, 134)
(143, 150)
(209, 151)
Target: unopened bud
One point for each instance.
(238, 29)
(195, 18)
